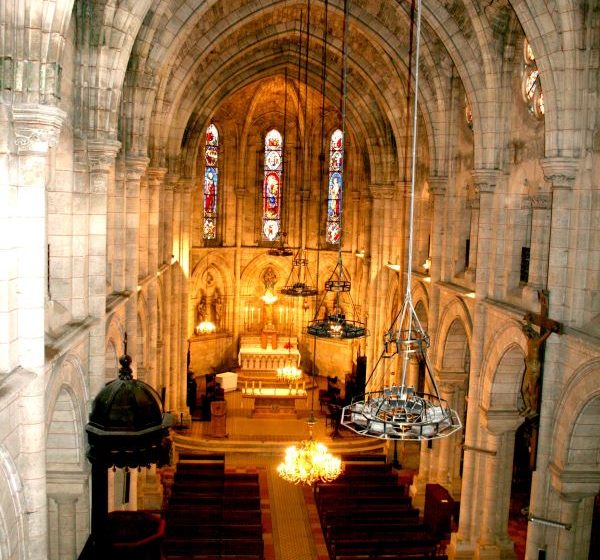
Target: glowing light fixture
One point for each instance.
(289, 372)
(269, 297)
(206, 327)
(309, 462)
(398, 411)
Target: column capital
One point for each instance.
(171, 180)
(102, 153)
(499, 422)
(37, 127)
(136, 166)
(484, 180)
(437, 185)
(382, 192)
(560, 172)
(574, 484)
(473, 201)
(157, 174)
(542, 201)
(185, 185)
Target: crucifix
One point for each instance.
(532, 377)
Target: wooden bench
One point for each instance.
(227, 502)
(384, 547)
(220, 547)
(197, 515)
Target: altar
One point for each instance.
(275, 401)
(255, 357)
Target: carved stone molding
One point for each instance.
(484, 180)
(560, 172)
(382, 192)
(156, 175)
(102, 154)
(136, 167)
(501, 421)
(541, 201)
(438, 185)
(170, 181)
(36, 127)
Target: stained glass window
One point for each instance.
(532, 87)
(334, 197)
(211, 177)
(272, 186)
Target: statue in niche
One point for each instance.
(269, 278)
(530, 387)
(201, 309)
(217, 307)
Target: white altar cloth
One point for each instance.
(227, 380)
(252, 356)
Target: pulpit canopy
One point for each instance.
(127, 427)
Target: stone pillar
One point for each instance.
(240, 195)
(167, 225)
(186, 324)
(36, 129)
(101, 159)
(174, 302)
(67, 524)
(155, 177)
(437, 189)
(144, 228)
(494, 542)
(540, 236)
(560, 172)
(379, 252)
(135, 168)
(473, 203)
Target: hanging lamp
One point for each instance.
(310, 460)
(399, 411)
(298, 281)
(336, 323)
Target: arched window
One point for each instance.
(334, 195)
(211, 177)
(272, 186)
(531, 85)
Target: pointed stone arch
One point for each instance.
(454, 335)
(12, 510)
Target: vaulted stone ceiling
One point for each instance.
(201, 56)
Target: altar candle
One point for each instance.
(304, 385)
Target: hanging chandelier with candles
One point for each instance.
(399, 411)
(309, 462)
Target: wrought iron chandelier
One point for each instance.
(296, 285)
(336, 324)
(310, 460)
(398, 411)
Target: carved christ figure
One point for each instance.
(530, 386)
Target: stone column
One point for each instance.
(186, 324)
(67, 524)
(473, 203)
(174, 302)
(155, 178)
(560, 173)
(101, 159)
(36, 129)
(437, 189)
(135, 168)
(240, 195)
(144, 228)
(379, 252)
(167, 224)
(493, 540)
(540, 236)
